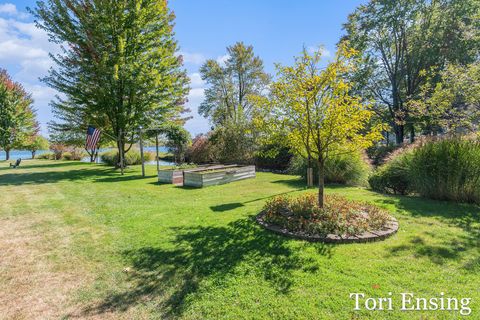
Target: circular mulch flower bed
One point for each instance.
(339, 221)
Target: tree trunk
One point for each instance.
(309, 173)
(412, 134)
(33, 154)
(7, 154)
(321, 183)
(121, 153)
(399, 133)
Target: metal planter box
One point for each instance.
(175, 176)
(207, 178)
(170, 176)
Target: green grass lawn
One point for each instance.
(80, 240)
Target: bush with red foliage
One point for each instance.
(201, 150)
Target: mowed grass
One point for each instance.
(81, 241)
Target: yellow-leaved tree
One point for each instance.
(312, 111)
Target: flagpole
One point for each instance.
(120, 150)
(156, 146)
(141, 151)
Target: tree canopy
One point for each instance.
(230, 85)
(452, 105)
(314, 111)
(35, 143)
(406, 43)
(17, 116)
(119, 66)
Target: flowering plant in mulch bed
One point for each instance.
(339, 216)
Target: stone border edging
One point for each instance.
(390, 229)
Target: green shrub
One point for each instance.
(67, 156)
(393, 177)
(378, 154)
(75, 154)
(338, 216)
(45, 156)
(132, 157)
(185, 166)
(165, 156)
(447, 169)
(273, 157)
(349, 169)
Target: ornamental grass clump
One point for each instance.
(339, 216)
(437, 168)
(447, 169)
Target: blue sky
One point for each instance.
(277, 29)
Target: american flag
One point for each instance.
(93, 135)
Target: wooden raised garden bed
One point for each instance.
(175, 176)
(210, 177)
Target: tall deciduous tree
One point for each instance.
(35, 143)
(178, 140)
(402, 41)
(453, 104)
(315, 111)
(231, 84)
(119, 67)
(227, 104)
(17, 116)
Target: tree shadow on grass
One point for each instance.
(301, 184)
(438, 253)
(117, 178)
(23, 176)
(438, 247)
(226, 207)
(207, 253)
(234, 205)
(94, 175)
(293, 183)
(26, 165)
(33, 178)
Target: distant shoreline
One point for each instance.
(25, 154)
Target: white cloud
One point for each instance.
(8, 8)
(41, 94)
(11, 10)
(222, 59)
(197, 124)
(325, 52)
(14, 50)
(193, 58)
(196, 95)
(196, 80)
(24, 52)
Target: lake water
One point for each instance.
(15, 154)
